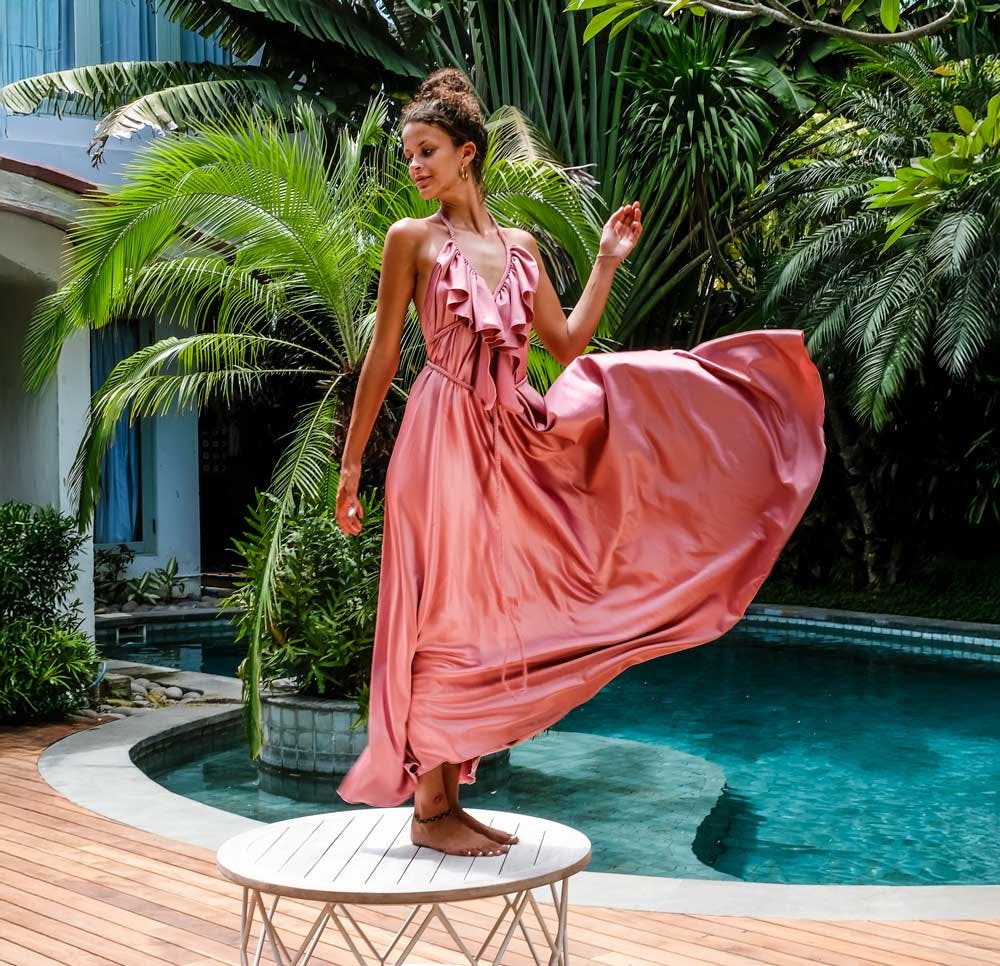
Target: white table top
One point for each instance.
(365, 856)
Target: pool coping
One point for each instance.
(168, 614)
(94, 769)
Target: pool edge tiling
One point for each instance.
(94, 769)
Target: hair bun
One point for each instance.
(454, 88)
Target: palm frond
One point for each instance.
(895, 354)
(179, 107)
(956, 240)
(969, 317)
(242, 26)
(305, 468)
(174, 375)
(103, 87)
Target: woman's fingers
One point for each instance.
(348, 515)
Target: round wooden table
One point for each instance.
(365, 857)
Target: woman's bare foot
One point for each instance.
(450, 777)
(453, 837)
(495, 834)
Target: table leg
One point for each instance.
(281, 954)
(245, 923)
(560, 955)
(254, 901)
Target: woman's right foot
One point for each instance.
(453, 837)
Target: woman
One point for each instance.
(535, 547)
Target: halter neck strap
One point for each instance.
(451, 227)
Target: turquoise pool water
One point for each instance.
(188, 645)
(840, 764)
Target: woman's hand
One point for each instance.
(621, 232)
(349, 512)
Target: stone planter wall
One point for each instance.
(312, 738)
(309, 736)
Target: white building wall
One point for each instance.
(40, 432)
(29, 450)
(46, 429)
(178, 520)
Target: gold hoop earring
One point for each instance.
(463, 173)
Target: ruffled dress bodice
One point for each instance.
(478, 336)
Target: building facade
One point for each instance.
(150, 477)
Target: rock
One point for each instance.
(208, 600)
(190, 696)
(130, 606)
(137, 688)
(145, 682)
(141, 703)
(129, 712)
(86, 712)
(116, 686)
(113, 715)
(174, 693)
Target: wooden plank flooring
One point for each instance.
(77, 889)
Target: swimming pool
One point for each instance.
(840, 762)
(207, 646)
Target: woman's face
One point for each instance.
(434, 162)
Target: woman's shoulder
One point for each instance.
(416, 229)
(520, 236)
(523, 239)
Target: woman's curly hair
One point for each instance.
(447, 98)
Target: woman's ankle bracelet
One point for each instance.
(432, 818)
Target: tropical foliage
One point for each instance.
(326, 593)
(880, 295)
(799, 16)
(47, 661)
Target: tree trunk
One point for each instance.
(857, 491)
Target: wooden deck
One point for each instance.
(81, 890)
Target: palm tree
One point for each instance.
(267, 248)
(882, 313)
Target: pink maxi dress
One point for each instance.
(537, 546)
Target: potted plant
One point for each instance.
(316, 657)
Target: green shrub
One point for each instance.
(46, 670)
(326, 588)
(37, 566)
(112, 586)
(46, 662)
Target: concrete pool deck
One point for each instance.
(94, 768)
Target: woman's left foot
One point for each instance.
(496, 834)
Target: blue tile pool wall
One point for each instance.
(185, 742)
(911, 640)
(209, 645)
(166, 632)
